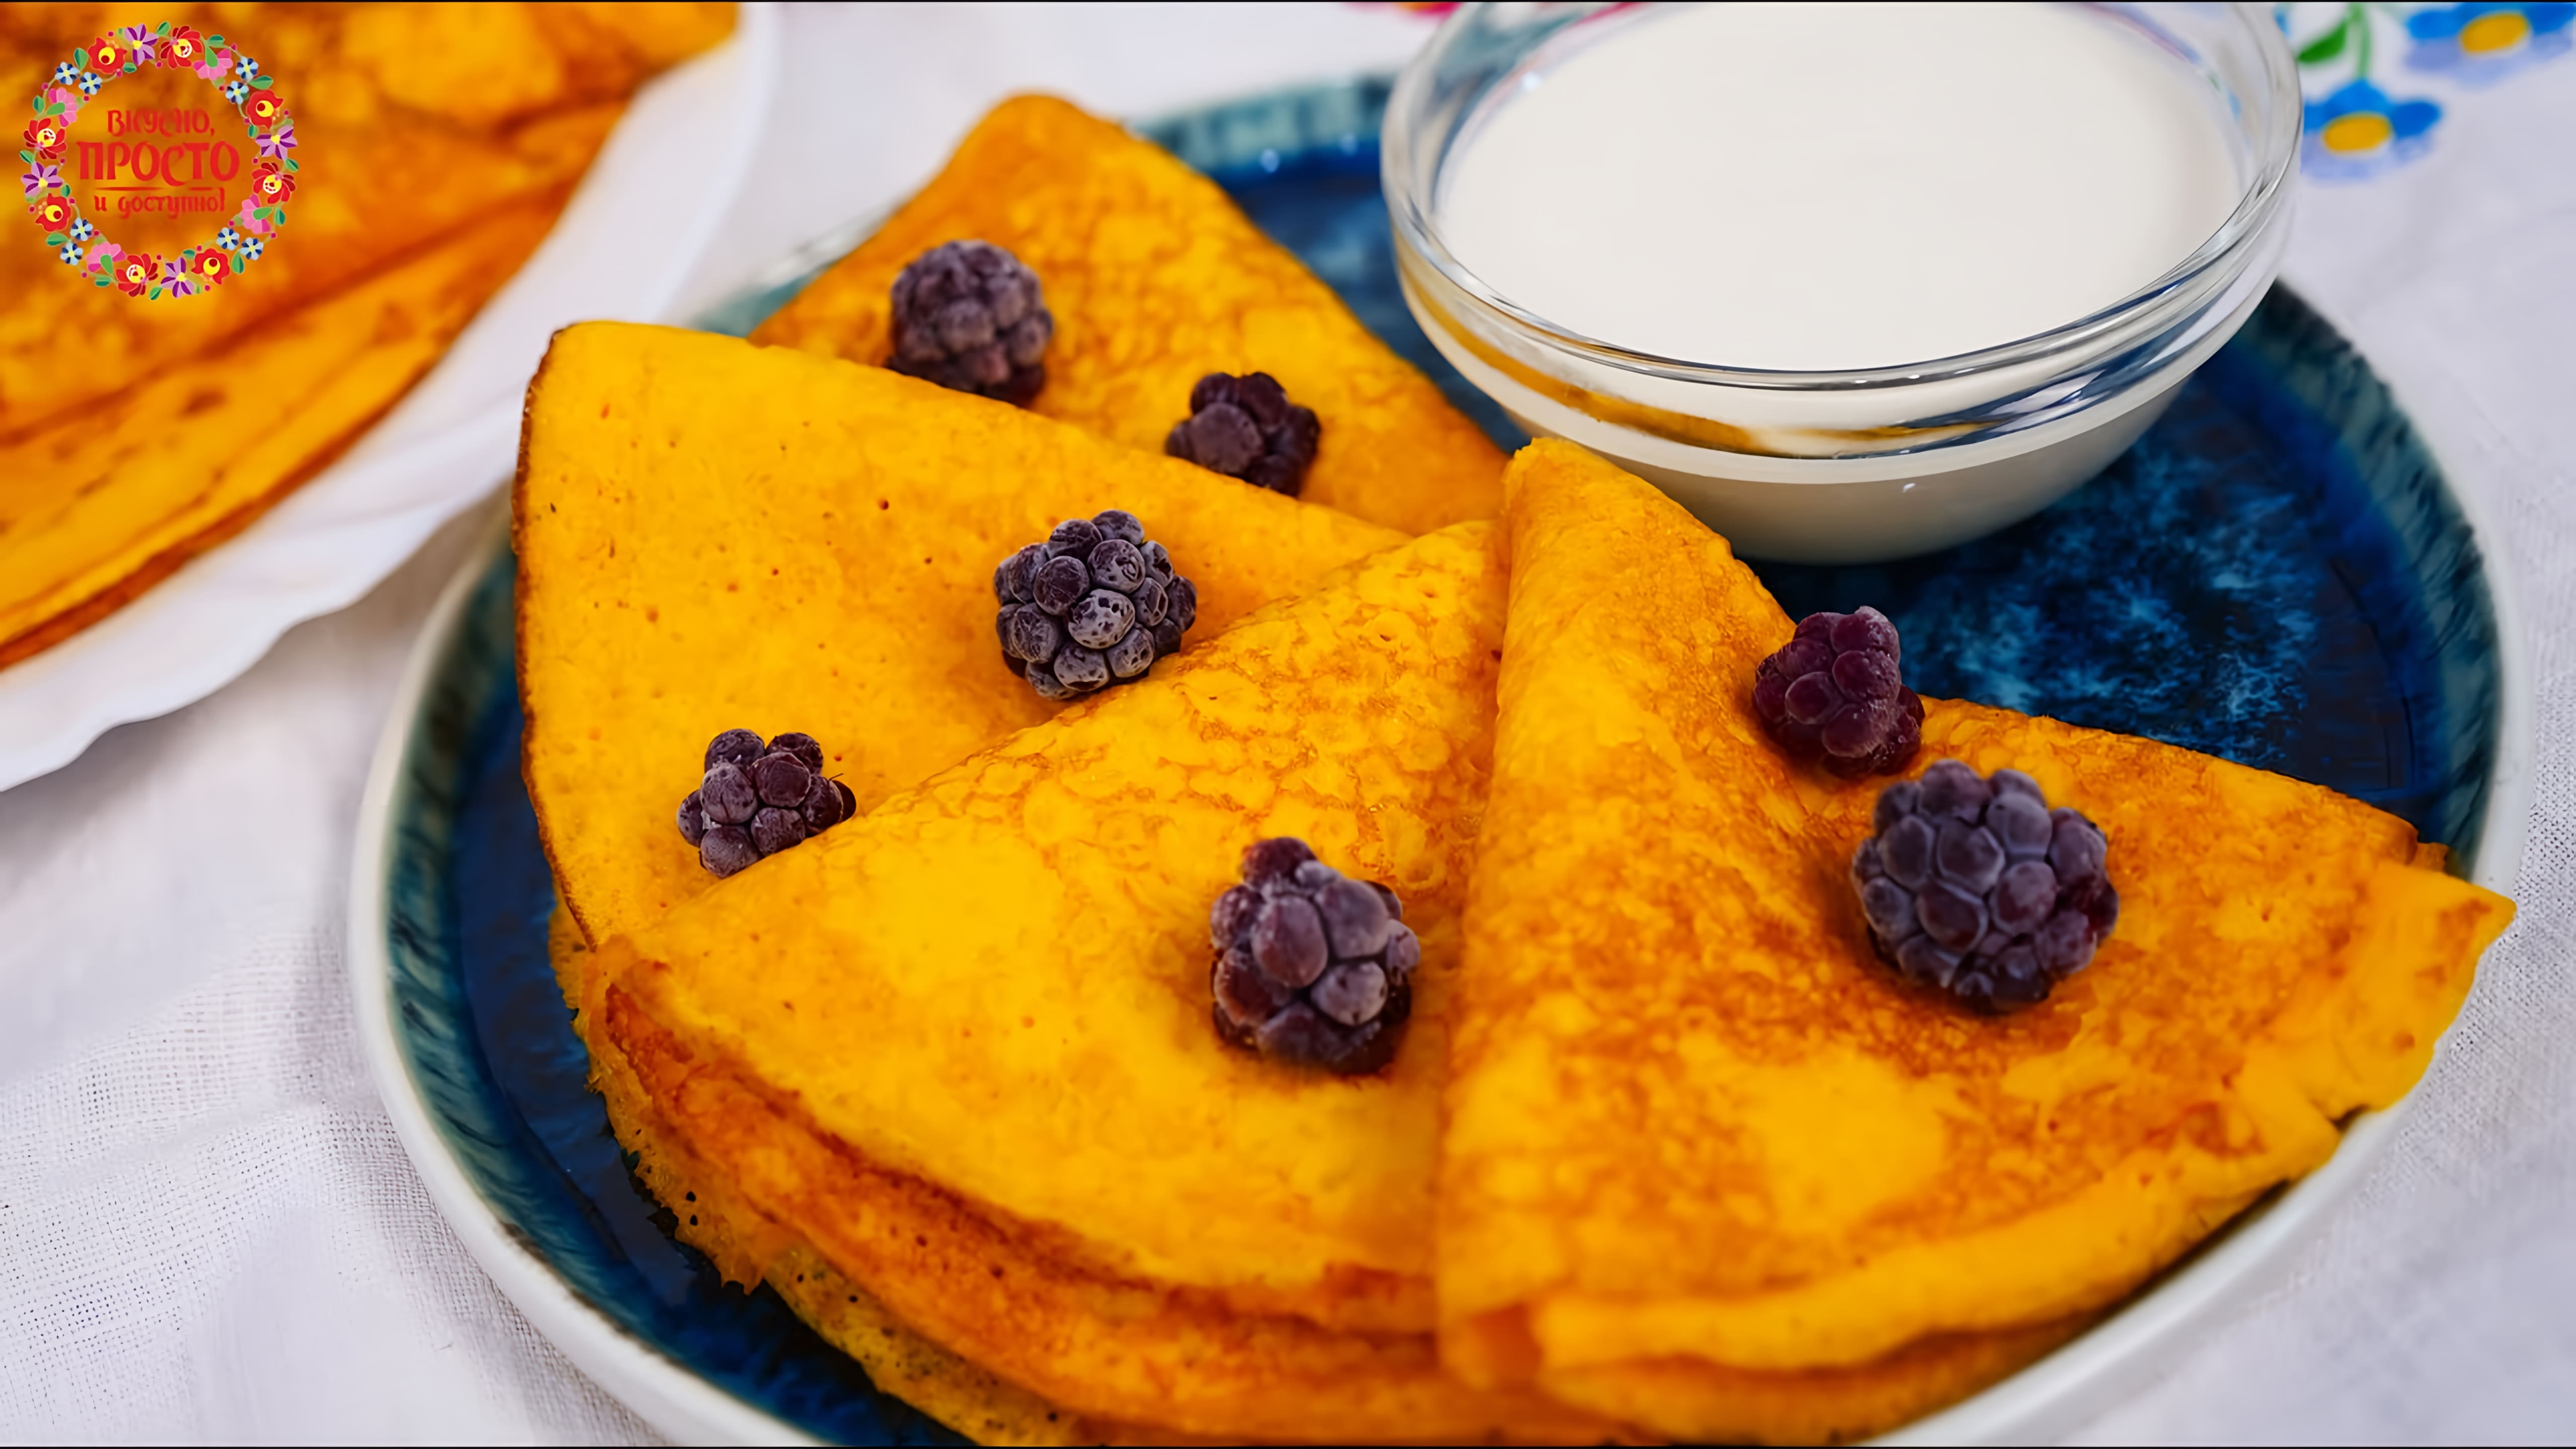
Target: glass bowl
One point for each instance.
(1858, 465)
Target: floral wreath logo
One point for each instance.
(78, 241)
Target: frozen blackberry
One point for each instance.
(756, 800)
(805, 748)
(740, 747)
(1835, 692)
(972, 317)
(1245, 427)
(1094, 605)
(1973, 886)
(1312, 967)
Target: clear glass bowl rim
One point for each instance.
(2227, 250)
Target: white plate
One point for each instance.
(621, 249)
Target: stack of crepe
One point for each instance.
(437, 144)
(1666, 1153)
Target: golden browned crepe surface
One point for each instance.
(1102, 1202)
(1156, 279)
(1085, 1209)
(1695, 1129)
(713, 534)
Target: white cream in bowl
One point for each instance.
(1850, 251)
(1817, 187)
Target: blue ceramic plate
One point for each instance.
(2277, 573)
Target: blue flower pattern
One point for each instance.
(2355, 127)
(2477, 45)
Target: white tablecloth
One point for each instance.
(208, 1232)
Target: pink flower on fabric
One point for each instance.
(250, 222)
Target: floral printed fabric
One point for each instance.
(2379, 77)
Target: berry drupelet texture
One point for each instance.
(1835, 692)
(1974, 886)
(1245, 427)
(1312, 967)
(970, 316)
(1094, 605)
(756, 800)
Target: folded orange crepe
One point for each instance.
(1105, 1225)
(712, 535)
(1156, 279)
(1101, 1202)
(1696, 1134)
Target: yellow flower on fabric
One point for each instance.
(2357, 132)
(2359, 128)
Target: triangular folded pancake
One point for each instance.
(1696, 1133)
(1142, 1233)
(1156, 279)
(712, 534)
(961, 1050)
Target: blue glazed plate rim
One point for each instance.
(2055, 1395)
(666, 1393)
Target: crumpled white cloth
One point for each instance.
(208, 1232)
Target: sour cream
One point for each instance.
(1821, 187)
